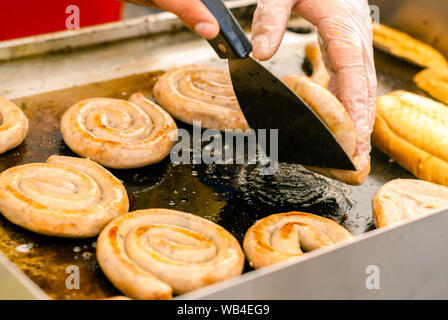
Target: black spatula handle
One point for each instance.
(231, 43)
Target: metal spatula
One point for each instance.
(267, 103)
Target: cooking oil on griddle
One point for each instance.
(232, 195)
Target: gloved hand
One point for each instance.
(345, 31)
(192, 12)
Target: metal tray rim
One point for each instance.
(37, 292)
(256, 274)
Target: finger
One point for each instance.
(369, 64)
(372, 80)
(350, 83)
(193, 13)
(371, 99)
(268, 26)
(352, 88)
(346, 61)
(345, 57)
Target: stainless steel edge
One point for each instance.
(56, 41)
(69, 39)
(15, 285)
(411, 259)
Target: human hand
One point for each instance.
(193, 13)
(345, 31)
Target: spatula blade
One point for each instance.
(267, 103)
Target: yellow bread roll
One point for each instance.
(402, 199)
(406, 47)
(334, 115)
(434, 82)
(413, 131)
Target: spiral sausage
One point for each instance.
(13, 125)
(148, 254)
(282, 236)
(117, 133)
(337, 119)
(403, 199)
(200, 93)
(66, 197)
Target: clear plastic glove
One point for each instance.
(192, 12)
(345, 31)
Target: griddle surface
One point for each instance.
(234, 196)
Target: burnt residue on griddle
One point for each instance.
(291, 188)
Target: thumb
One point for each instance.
(268, 26)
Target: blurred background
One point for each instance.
(131, 11)
(21, 18)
